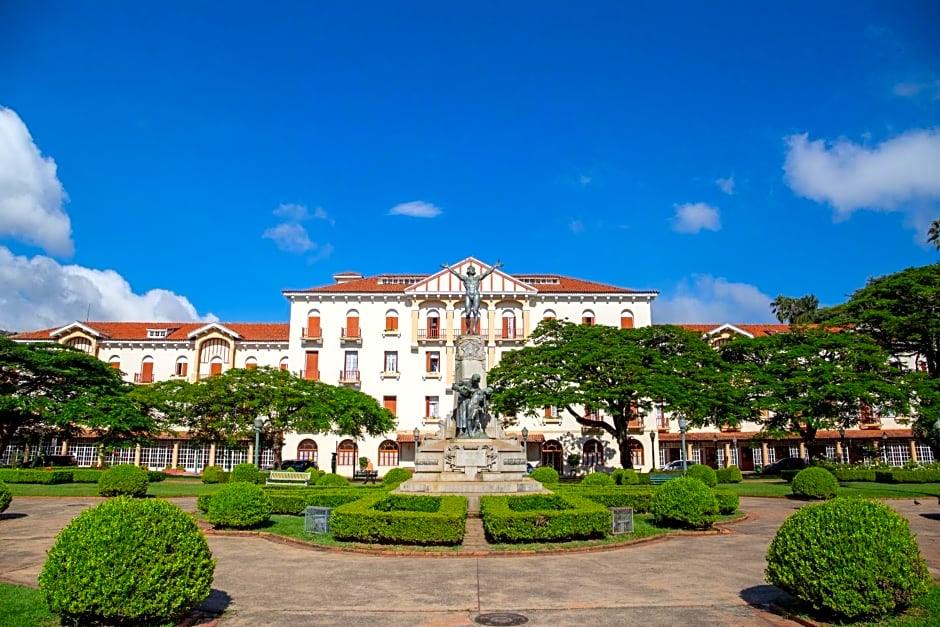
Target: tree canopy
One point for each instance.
(813, 379)
(51, 388)
(584, 369)
(790, 310)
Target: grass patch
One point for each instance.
(20, 605)
(780, 488)
(171, 487)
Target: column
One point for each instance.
(175, 455)
(449, 326)
(839, 455)
(763, 454)
(137, 454)
(211, 454)
(449, 361)
(913, 446)
(65, 447)
(251, 453)
(490, 324)
(727, 454)
(414, 326)
(802, 451)
(526, 323)
(688, 451)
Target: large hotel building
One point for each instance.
(392, 336)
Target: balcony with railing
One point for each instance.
(662, 423)
(349, 376)
(351, 334)
(431, 335)
(509, 334)
(311, 336)
(310, 375)
(143, 377)
(869, 419)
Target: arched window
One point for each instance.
(391, 321)
(251, 363)
(307, 449)
(508, 331)
(388, 453)
(346, 453)
(181, 367)
(215, 366)
(549, 315)
(593, 453)
(81, 343)
(115, 362)
(146, 371)
(636, 454)
(283, 363)
(587, 318)
(434, 331)
(551, 455)
(351, 330)
(626, 319)
(313, 331)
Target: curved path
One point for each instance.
(697, 580)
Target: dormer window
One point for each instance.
(156, 333)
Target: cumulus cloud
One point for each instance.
(31, 196)
(291, 236)
(39, 292)
(706, 299)
(694, 217)
(415, 209)
(901, 173)
(726, 185)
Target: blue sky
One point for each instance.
(192, 159)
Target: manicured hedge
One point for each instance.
(637, 497)
(625, 476)
(597, 479)
(365, 520)
(156, 476)
(6, 497)
(48, 477)
(899, 475)
(86, 475)
(544, 474)
(543, 518)
(815, 482)
(705, 474)
(283, 502)
(787, 475)
(731, 474)
(728, 501)
(396, 476)
(854, 474)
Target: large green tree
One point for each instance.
(813, 379)
(618, 372)
(223, 408)
(51, 388)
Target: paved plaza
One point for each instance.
(696, 580)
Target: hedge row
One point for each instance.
(637, 497)
(35, 476)
(543, 518)
(381, 518)
(899, 475)
(854, 474)
(293, 500)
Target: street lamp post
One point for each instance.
(842, 442)
(525, 444)
(417, 434)
(715, 442)
(653, 449)
(884, 447)
(258, 424)
(683, 426)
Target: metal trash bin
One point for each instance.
(317, 519)
(622, 520)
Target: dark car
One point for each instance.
(787, 463)
(41, 461)
(300, 465)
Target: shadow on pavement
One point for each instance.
(761, 596)
(216, 603)
(931, 516)
(11, 516)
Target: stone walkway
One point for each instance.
(695, 580)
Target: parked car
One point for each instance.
(300, 465)
(787, 463)
(677, 464)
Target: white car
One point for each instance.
(677, 464)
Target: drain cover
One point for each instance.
(500, 618)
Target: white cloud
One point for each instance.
(726, 185)
(576, 226)
(713, 300)
(585, 179)
(897, 174)
(914, 89)
(694, 217)
(31, 196)
(299, 213)
(415, 209)
(290, 237)
(39, 292)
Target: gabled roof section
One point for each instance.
(176, 331)
(445, 281)
(75, 326)
(747, 330)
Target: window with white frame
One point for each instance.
(433, 362)
(432, 406)
(924, 454)
(391, 361)
(897, 453)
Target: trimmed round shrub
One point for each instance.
(6, 496)
(705, 474)
(395, 476)
(127, 561)
(155, 476)
(330, 480)
(544, 474)
(124, 480)
(731, 474)
(245, 472)
(815, 483)
(597, 478)
(849, 557)
(728, 501)
(625, 476)
(213, 474)
(202, 502)
(239, 505)
(684, 502)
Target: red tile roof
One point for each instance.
(757, 330)
(178, 331)
(566, 285)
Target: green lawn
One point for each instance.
(20, 605)
(866, 489)
(174, 486)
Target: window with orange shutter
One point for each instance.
(313, 327)
(352, 326)
(391, 404)
(312, 366)
(391, 323)
(626, 322)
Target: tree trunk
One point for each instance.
(625, 444)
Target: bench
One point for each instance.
(368, 476)
(661, 479)
(279, 477)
